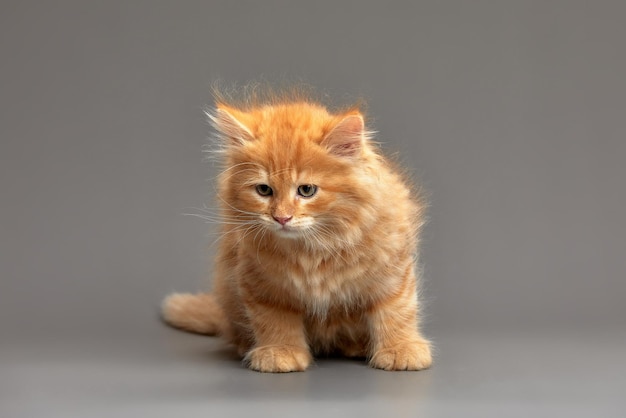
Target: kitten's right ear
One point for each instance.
(227, 124)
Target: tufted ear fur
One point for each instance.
(226, 123)
(347, 137)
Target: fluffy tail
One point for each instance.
(197, 313)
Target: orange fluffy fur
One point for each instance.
(296, 276)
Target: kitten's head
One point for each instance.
(295, 170)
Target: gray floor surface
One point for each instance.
(539, 374)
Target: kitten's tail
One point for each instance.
(197, 313)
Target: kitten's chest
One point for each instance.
(323, 283)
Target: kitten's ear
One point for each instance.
(347, 137)
(226, 122)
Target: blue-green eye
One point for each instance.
(307, 190)
(264, 190)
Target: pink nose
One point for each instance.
(282, 220)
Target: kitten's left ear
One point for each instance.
(346, 139)
(227, 122)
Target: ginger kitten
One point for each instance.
(319, 242)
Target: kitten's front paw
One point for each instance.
(405, 356)
(278, 359)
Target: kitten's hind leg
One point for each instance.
(198, 313)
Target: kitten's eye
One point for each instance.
(307, 190)
(264, 190)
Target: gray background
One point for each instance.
(511, 113)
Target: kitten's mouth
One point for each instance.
(287, 231)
